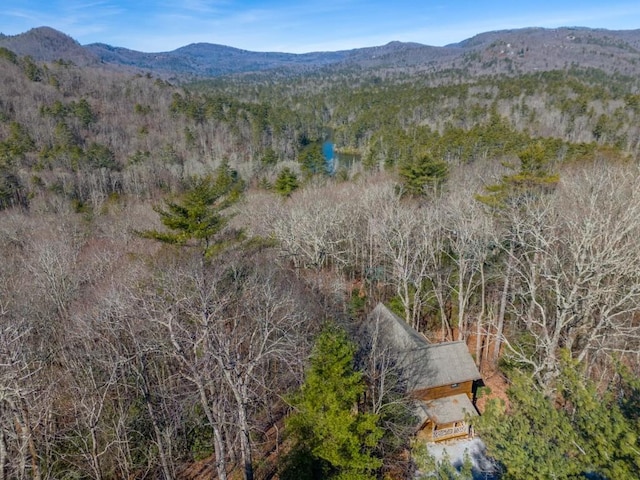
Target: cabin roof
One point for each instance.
(447, 363)
(423, 365)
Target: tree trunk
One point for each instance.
(462, 328)
(95, 457)
(503, 308)
(35, 470)
(245, 443)
(239, 390)
(168, 475)
(218, 441)
(480, 319)
(3, 455)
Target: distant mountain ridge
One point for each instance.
(209, 60)
(507, 51)
(46, 44)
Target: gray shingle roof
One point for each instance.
(449, 363)
(423, 365)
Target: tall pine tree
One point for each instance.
(332, 438)
(197, 219)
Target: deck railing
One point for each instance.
(462, 429)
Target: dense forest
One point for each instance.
(183, 273)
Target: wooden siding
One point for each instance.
(444, 391)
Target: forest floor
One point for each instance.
(497, 384)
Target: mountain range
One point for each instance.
(507, 51)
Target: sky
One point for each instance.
(302, 26)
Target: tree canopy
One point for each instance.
(580, 432)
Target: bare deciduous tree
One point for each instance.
(577, 271)
(184, 311)
(470, 240)
(264, 330)
(403, 234)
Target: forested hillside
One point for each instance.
(178, 260)
(511, 52)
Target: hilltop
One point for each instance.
(507, 51)
(46, 44)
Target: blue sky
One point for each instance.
(304, 25)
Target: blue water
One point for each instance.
(327, 150)
(334, 160)
(329, 156)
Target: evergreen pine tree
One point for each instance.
(312, 160)
(332, 438)
(198, 219)
(533, 440)
(608, 441)
(533, 178)
(582, 432)
(420, 176)
(286, 183)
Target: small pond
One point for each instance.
(336, 160)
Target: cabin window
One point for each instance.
(455, 385)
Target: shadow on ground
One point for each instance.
(483, 467)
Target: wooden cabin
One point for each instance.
(441, 378)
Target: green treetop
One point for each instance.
(198, 218)
(423, 174)
(311, 159)
(582, 431)
(532, 440)
(533, 178)
(286, 182)
(608, 433)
